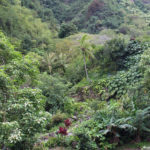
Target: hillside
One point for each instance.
(91, 16)
(74, 74)
(94, 15)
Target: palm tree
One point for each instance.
(50, 60)
(86, 49)
(54, 61)
(61, 62)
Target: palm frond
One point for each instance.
(83, 39)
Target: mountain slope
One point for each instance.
(90, 16)
(94, 15)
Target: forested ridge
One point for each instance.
(74, 74)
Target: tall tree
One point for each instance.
(86, 49)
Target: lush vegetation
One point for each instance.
(62, 86)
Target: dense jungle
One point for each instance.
(74, 74)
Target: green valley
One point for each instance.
(74, 74)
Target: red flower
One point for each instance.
(62, 131)
(67, 122)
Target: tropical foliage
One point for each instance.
(63, 86)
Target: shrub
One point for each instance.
(21, 108)
(142, 122)
(69, 106)
(113, 53)
(144, 65)
(85, 142)
(117, 55)
(75, 72)
(7, 51)
(55, 141)
(67, 30)
(58, 118)
(124, 29)
(26, 118)
(54, 89)
(52, 142)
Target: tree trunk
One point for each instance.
(85, 67)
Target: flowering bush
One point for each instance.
(67, 122)
(62, 131)
(22, 112)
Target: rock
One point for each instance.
(75, 118)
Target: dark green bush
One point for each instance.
(113, 53)
(54, 89)
(67, 30)
(58, 118)
(117, 55)
(124, 29)
(85, 142)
